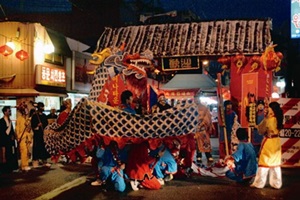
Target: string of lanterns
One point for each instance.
(8, 49)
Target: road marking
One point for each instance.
(62, 188)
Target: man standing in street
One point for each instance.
(8, 148)
(38, 123)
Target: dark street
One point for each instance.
(72, 181)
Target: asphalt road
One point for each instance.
(72, 182)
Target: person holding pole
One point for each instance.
(230, 117)
(24, 135)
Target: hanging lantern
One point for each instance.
(22, 55)
(225, 61)
(239, 61)
(255, 63)
(6, 50)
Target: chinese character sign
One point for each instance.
(180, 63)
(295, 19)
(50, 75)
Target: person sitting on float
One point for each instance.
(126, 100)
(161, 104)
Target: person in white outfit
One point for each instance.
(270, 153)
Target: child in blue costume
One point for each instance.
(242, 164)
(230, 119)
(166, 164)
(112, 167)
(260, 115)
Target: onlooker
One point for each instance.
(38, 123)
(65, 113)
(8, 151)
(270, 154)
(24, 135)
(161, 104)
(52, 116)
(242, 164)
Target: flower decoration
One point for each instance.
(270, 59)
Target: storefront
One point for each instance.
(41, 75)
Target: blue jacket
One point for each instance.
(245, 159)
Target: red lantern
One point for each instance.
(225, 61)
(22, 55)
(279, 54)
(6, 50)
(254, 63)
(239, 61)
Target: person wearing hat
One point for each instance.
(24, 135)
(161, 104)
(38, 123)
(260, 115)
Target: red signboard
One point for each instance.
(50, 75)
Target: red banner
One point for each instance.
(249, 95)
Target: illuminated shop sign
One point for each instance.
(180, 63)
(295, 19)
(50, 75)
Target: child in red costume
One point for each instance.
(138, 168)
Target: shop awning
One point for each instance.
(190, 81)
(60, 43)
(18, 92)
(51, 91)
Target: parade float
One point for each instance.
(126, 56)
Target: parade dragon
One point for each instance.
(98, 117)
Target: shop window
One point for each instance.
(54, 58)
(49, 102)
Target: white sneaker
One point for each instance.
(96, 183)
(26, 168)
(134, 185)
(169, 177)
(47, 165)
(161, 181)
